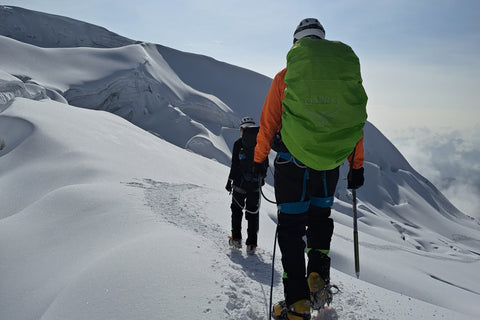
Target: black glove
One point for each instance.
(355, 178)
(259, 170)
(229, 185)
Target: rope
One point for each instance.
(291, 158)
(273, 273)
(244, 206)
(264, 197)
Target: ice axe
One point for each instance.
(355, 233)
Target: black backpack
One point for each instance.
(249, 141)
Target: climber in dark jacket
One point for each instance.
(244, 186)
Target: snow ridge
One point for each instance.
(41, 29)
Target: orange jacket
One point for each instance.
(271, 123)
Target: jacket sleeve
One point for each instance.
(235, 171)
(357, 157)
(271, 118)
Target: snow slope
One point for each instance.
(100, 219)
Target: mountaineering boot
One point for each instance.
(251, 248)
(252, 235)
(299, 310)
(235, 243)
(320, 291)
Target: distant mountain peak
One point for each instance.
(54, 31)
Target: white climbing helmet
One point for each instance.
(247, 122)
(309, 27)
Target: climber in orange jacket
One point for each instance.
(313, 117)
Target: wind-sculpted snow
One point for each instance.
(133, 82)
(12, 87)
(13, 131)
(159, 102)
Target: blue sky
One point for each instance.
(420, 59)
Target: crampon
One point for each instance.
(323, 297)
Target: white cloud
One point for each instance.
(449, 158)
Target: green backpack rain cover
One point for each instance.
(324, 109)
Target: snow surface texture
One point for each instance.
(100, 219)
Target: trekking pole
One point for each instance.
(273, 273)
(355, 234)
